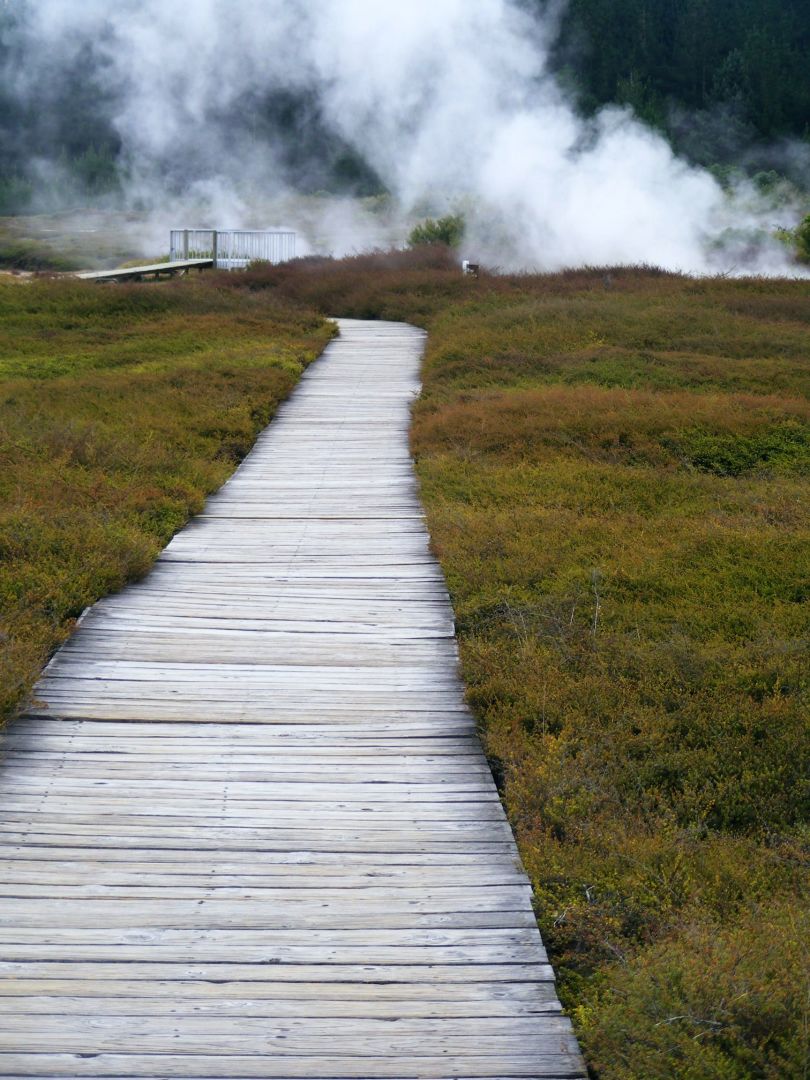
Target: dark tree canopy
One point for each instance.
(750, 58)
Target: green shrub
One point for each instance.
(720, 1003)
(448, 231)
(803, 240)
(20, 254)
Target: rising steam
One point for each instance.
(450, 102)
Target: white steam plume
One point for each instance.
(449, 101)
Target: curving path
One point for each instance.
(250, 831)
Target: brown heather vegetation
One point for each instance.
(615, 470)
(121, 408)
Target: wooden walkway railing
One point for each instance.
(250, 832)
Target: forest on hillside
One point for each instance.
(727, 81)
(746, 59)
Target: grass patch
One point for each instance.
(28, 255)
(614, 466)
(121, 408)
(70, 240)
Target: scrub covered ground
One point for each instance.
(121, 408)
(615, 470)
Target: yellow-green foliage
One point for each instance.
(726, 1000)
(803, 240)
(448, 231)
(121, 408)
(615, 469)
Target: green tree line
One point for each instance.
(749, 57)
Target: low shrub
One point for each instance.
(448, 231)
(614, 468)
(803, 240)
(121, 408)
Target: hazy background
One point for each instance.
(601, 131)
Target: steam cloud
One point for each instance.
(450, 101)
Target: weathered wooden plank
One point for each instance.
(159, 710)
(172, 743)
(201, 913)
(163, 1000)
(193, 797)
(171, 838)
(317, 733)
(555, 1065)
(504, 897)
(238, 821)
(283, 861)
(111, 1023)
(272, 936)
(203, 952)
(94, 874)
(129, 820)
(348, 820)
(518, 997)
(315, 868)
(235, 765)
(330, 904)
(282, 972)
(106, 1036)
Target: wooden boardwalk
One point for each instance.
(250, 832)
(153, 270)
